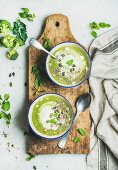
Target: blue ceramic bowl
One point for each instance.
(31, 122)
(62, 45)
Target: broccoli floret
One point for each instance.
(13, 54)
(8, 41)
(5, 27)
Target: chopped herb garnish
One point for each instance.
(104, 25)
(6, 96)
(5, 116)
(69, 62)
(6, 105)
(31, 156)
(25, 14)
(47, 44)
(76, 140)
(81, 131)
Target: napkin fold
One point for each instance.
(104, 107)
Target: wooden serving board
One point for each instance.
(57, 29)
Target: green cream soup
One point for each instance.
(71, 65)
(52, 115)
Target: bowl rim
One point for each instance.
(71, 86)
(36, 131)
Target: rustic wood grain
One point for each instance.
(58, 30)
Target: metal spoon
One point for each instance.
(39, 46)
(83, 102)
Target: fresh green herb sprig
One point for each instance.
(97, 26)
(47, 44)
(38, 76)
(31, 156)
(76, 140)
(5, 107)
(25, 14)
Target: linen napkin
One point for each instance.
(104, 107)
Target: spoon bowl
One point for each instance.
(83, 102)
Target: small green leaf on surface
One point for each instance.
(31, 156)
(6, 105)
(94, 26)
(6, 96)
(81, 131)
(104, 25)
(94, 34)
(26, 10)
(56, 114)
(47, 44)
(76, 140)
(69, 62)
(53, 121)
(5, 116)
(108, 25)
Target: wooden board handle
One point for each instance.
(57, 26)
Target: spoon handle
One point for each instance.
(39, 46)
(64, 138)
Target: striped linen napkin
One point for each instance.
(104, 107)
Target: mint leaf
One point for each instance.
(94, 26)
(1, 115)
(94, 34)
(31, 156)
(5, 116)
(76, 140)
(23, 15)
(6, 105)
(6, 96)
(25, 10)
(102, 24)
(53, 121)
(8, 119)
(81, 131)
(69, 62)
(108, 25)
